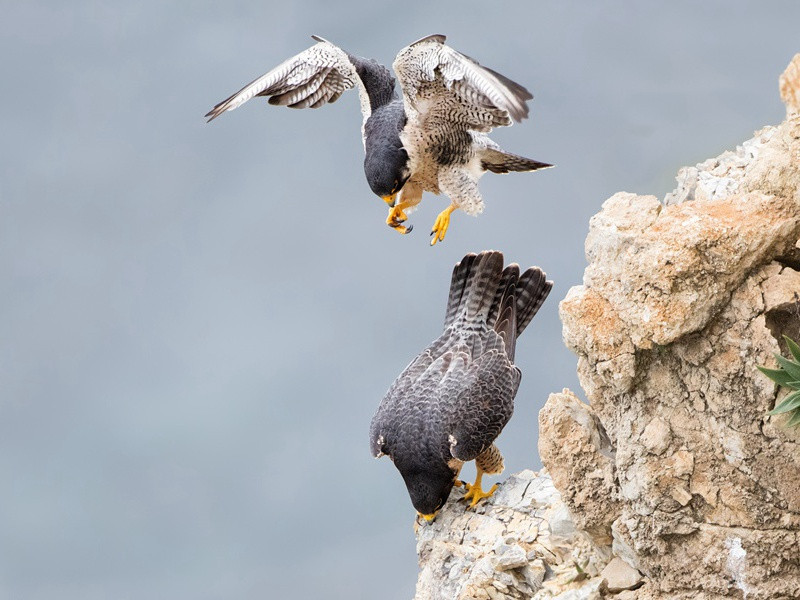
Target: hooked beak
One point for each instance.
(429, 517)
(390, 199)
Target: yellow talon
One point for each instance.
(474, 491)
(397, 217)
(442, 223)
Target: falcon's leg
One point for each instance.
(459, 184)
(411, 196)
(442, 223)
(489, 461)
(475, 492)
(397, 217)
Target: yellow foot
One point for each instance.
(396, 218)
(440, 226)
(474, 491)
(476, 494)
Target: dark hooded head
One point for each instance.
(429, 490)
(386, 161)
(387, 171)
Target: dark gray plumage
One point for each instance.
(431, 138)
(450, 404)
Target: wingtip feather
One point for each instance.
(436, 37)
(212, 114)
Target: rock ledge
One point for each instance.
(674, 483)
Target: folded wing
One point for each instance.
(314, 77)
(443, 86)
(484, 404)
(418, 379)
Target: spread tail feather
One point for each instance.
(504, 309)
(498, 161)
(532, 290)
(482, 292)
(473, 287)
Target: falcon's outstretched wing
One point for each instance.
(314, 77)
(443, 86)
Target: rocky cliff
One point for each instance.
(672, 482)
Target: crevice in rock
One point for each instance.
(790, 259)
(784, 320)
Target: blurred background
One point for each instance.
(197, 321)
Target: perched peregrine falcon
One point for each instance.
(433, 139)
(450, 404)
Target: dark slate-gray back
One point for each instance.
(463, 384)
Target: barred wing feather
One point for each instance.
(442, 86)
(316, 76)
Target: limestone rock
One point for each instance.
(674, 482)
(579, 457)
(656, 436)
(680, 303)
(509, 555)
(664, 276)
(519, 543)
(790, 87)
(620, 576)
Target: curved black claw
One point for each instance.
(400, 228)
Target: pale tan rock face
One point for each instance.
(790, 87)
(520, 543)
(620, 576)
(665, 274)
(679, 305)
(571, 438)
(673, 483)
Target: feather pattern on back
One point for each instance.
(454, 399)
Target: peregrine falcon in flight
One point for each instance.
(432, 140)
(450, 404)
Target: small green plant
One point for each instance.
(580, 572)
(787, 375)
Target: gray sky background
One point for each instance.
(198, 321)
